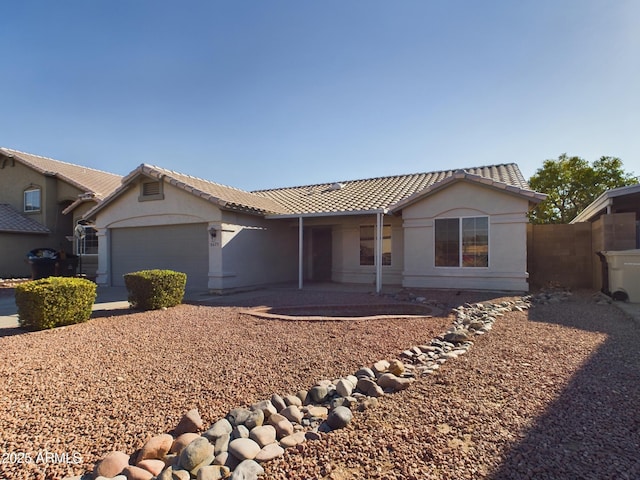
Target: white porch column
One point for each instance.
(103, 274)
(300, 256)
(378, 260)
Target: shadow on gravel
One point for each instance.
(592, 430)
(113, 313)
(10, 332)
(338, 295)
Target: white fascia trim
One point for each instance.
(384, 211)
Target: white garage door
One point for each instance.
(182, 248)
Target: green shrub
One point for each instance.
(54, 302)
(155, 289)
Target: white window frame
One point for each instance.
(81, 243)
(460, 238)
(374, 245)
(25, 203)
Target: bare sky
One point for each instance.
(260, 94)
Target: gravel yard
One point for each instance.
(552, 393)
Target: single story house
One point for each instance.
(462, 229)
(41, 202)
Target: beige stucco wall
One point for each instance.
(507, 239)
(15, 178)
(346, 266)
(126, 210)
(254, 252)
(247, 251)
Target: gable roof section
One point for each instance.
(390, 192)
(12, 221)
(224, 197)
(88, 180)
(462, 175)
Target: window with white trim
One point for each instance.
(462, 242)
(87, 244)
(368, 244)
(32, 200)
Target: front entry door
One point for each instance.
(321, 253)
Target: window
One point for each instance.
(462, 242)
(32, 200)
(87, 244)
(368, 245)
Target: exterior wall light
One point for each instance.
(213, 232)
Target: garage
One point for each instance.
(182, 248)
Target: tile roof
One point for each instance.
(381, 192)
(229, 197)
(13, 221)
(225, 197)
(351, 196)
(87, 179)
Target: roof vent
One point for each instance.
(336, 186)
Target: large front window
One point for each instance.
(368, 245)
(32, 200)
(462, 242)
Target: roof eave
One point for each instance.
(327, 214)
(25, 232)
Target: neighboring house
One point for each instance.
(618, 201)
(463, 229)
(41, 201)
(614, 219)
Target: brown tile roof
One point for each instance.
(351, 196)
(86, 179)
(13, 221)
(381, 192)
(229, 197)
(225, 197)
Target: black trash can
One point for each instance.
(67, 265)
(43, 262)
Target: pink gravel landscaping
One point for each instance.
(548, 393)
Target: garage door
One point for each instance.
(182, 248)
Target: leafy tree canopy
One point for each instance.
(571, 184)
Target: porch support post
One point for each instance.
(378, 250)
(300, 256)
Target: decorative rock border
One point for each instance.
(234, 447)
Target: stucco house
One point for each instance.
(463, 229)
(41, 202)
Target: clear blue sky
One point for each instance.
(266, 93)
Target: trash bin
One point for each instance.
(43, 262)
(624, 274)
(67, 265)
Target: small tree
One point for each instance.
(571, 184)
